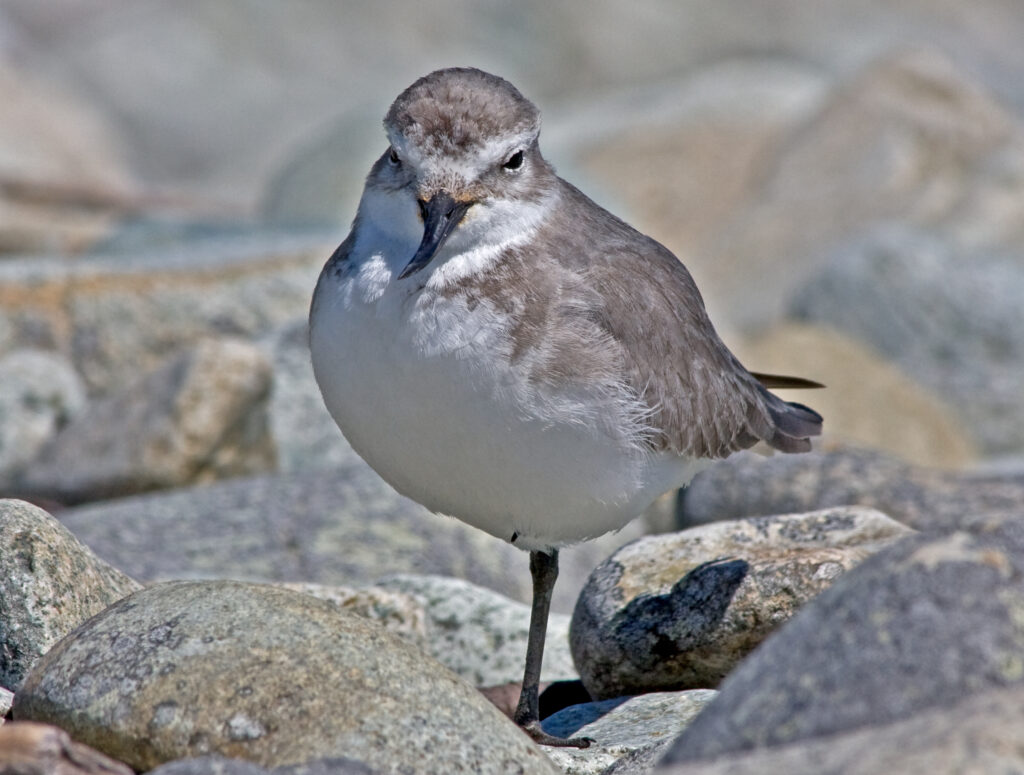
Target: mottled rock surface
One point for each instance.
(343, 526)
(265, 674)
(637, 727)
(680, 610)
(918, 627)
(201, 416)
(39, 393)
(747, 485)
(49, 584)
(27, 748)
(481, 635)
(397, 612)
(116, 315)
(977, 734)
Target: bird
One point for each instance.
(503, 350)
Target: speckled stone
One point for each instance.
(747, 485)
(200, 417)
(679, 611)
(979, 734)
(625, 726)
(49, 584)
(397, 612)
(265, 674)
(481, 635)
(919, 626)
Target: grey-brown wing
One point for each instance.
(704, 402)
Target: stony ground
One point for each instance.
(199, 576)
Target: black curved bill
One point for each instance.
(440, 217)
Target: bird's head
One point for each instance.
(463, 160)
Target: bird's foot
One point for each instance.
(532, 728)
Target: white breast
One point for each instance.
(423, 388)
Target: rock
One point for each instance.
(37, 749)
(343, 527)
(6, 700)
(39, 393)
(912, 423)
(49, 584)
(211, 765)
(116, 315)
(481, 635)
(266, 674)
(220, 765)
(306, 437)
(748, 485)
(626, 726)
(946, 313)
(61, 173)
(397, 612)
(909, 138)
(980, 733)
(200, 417)
(680, 610)
(916, 628)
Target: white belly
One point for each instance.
(422, 388)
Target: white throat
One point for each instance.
(390, 229)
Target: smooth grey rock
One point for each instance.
(481, 635)
(947, 314)
(39, 393)
(49, 584)
(27, 748)
(978, 734)
(6, 700)
(305, 434)
(626, 726)
(267, 674)
(680, 610)
(200, 417)
(918, 627)
(747, 485)
(344, 526)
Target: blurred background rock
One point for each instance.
(845, 180)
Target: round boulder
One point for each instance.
(265, 674)
(680, 610)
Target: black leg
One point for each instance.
(544, 570)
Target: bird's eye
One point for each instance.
(514, 162)
(393, 158)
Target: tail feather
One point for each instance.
(794, 424)
(777, 381)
